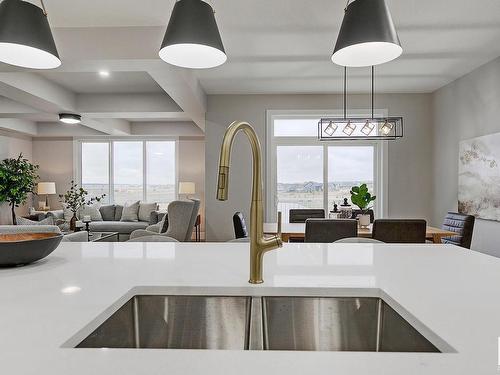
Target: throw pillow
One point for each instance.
(164, 223)
(145, 210)
(130, 212)
(92, 211)
(118, 212)
(47, 221)
(108, 212)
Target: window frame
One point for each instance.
(380, 160)
(77, 160)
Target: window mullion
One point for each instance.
(111, 173)
(144, 172)
(325, 179)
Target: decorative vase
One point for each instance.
(364, 221)
(72, 222)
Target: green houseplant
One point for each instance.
(361, 197)
(74, 199)
(17, 179)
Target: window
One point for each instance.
(303, 172)
(348, 166)
(95, 169)
(128, 171)
(299, 177)
(160, 175)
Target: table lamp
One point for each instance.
(47, 188)
(187, 188)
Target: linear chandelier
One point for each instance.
(359, 128)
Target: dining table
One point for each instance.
(297, 231)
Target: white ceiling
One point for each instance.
(273, 46)
(284, 46)
(116, 82)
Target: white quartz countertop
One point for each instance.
(454, 293)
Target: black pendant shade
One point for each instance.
(367, 36)
(25, 36)
(192, 39)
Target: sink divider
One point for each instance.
(256, 325)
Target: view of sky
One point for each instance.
(298, 164)
(128, 163)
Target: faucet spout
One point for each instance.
(259, 245)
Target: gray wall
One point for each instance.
(410, 159)
(11, 145)
(464, 109)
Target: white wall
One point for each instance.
(10, 147)
(192, 169)
(410, 159)
(466, 108)
(55, 158)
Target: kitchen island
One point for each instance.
(451, 295)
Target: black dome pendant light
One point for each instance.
(367, 36)
(192, 39)
(25, 36)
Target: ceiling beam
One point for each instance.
(37, 92)
(19, 126)
(12, 109)
(184, 88)
(107, 126)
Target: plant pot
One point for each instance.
(72, 223)
(364, 221)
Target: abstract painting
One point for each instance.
(479, 177)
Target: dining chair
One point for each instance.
(358, 240)
(462, 225)
(240, 227)
(329, 230)
(300, 215)
(399, 230)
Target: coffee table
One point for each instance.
(103, 236)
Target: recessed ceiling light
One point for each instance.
(104, 73)
(70, 118)
(71, 289)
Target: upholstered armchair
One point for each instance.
(181, 219)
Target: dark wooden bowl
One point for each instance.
(19, 249)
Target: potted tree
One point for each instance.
(17, 179)
(74, 199)
(361, 197)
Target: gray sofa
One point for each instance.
(111, 215)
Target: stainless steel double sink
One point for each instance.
(258, 323)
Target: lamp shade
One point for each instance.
(25, 36)
(46, 188)
(192, 39)
(367, 36)
(186, 188)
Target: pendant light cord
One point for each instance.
(373, 91)
(43, 8)
(345, 92)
